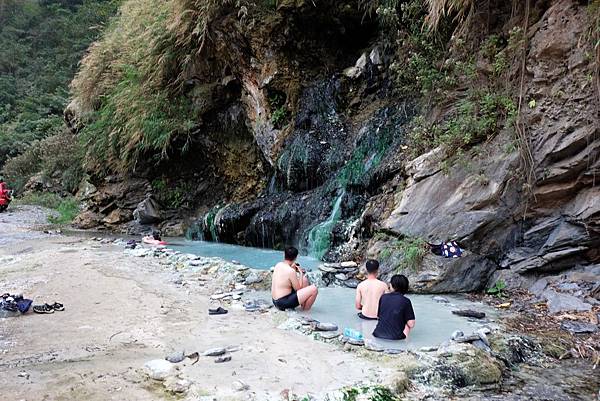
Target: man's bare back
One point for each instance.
(282, 280)
(370, 291)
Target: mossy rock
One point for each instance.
(468, 366)
(513, 349)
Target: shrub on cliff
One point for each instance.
(58, 156)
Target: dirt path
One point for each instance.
(122, 312)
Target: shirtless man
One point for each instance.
(369, 291)
(290, 287)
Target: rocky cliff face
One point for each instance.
(303, 140)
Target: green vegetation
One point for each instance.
(58, 157)
(67, 207)
(280, 112)
(171, 196)
(411, 251)
(41, 42)
(374, 393)
(498, 289)
(131, 82)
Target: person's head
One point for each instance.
(372, 266)
(399, 283)
(290, 253)
(156, 235)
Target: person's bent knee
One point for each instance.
(314, 289)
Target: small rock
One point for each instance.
(327, 268)
(341, 276)
(428, 349)
(375, 57)
(469, 313)
(440, 300)
(177, 385)
(578, 327)
(457, 334)
(558, 302)
(353, 341)
(349, 264)
(214, 352)
(224, 358)
(351, 283)
(176, 357)
(318, 326)
(329, 335)
(361, 63)
(371, 346)
(352, 72)
(393, 351)
(159, 369)
(239, 385)
(24, 375)
(483, 337)
(253, 278)
(481, 345)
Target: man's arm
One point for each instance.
(358, 299)
(408, 327)
(295, 281)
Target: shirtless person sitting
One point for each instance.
(369, 291)
(290, 287)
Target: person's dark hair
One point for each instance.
(290, 253)
(400, 283)
(372, 265)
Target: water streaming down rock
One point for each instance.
(319, 237)
(329, 166)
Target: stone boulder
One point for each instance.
(147, 212)
(87, 219)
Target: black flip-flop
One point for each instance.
(217, 311)
(43, 309)
(57, 307)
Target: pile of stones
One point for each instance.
(344, 274)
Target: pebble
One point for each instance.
(351, 283)
(214, 352)
(159, 369)
(428, 349)
(353, 341)
(330, 335)
(578, 327)
(441, 300)
(176, 357)
(177, 385)
(349, 264)
(369, 345)
(457, 334)
(341, 276)
(224, 358)
(239, 385)
(324, 326)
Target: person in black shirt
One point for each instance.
(396, 315)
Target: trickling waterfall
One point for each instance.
(319, 237)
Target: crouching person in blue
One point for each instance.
(396, 315)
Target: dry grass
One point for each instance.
(130, 82)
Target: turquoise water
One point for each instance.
(257, 258)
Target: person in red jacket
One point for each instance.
(4, 196)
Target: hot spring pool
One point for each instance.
(257, 258)
(434, 321)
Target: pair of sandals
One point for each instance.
(47, 308)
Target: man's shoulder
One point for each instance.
(283, 266)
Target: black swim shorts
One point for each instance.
(290, 301)
(360, 315)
